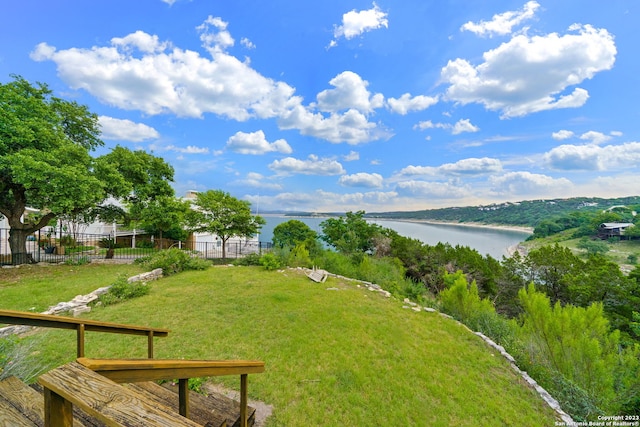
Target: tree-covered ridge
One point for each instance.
(528, 213)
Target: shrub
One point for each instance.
(270, 261)
(122, 290)
(174, 260)
(82, 260)
(251, 259)
(463, 302)
(299, 257)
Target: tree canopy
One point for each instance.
(219, 213)
(291, 233)
(46, 165)
(351, 233)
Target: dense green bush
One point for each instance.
(251, 259)
(463, 302)
(122, 290)
(79, 260)
(173, 261)
(270, 261)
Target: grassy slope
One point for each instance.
(346, 357)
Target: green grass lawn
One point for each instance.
(333, 357)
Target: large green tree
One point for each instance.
(45, 162)
(351, 233)
(218, 212)
(161, 215)
(291, 233)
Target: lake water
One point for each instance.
(487, 241)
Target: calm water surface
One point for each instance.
(487, 241)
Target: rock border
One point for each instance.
(79, 304)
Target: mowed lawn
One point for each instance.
(333, 357)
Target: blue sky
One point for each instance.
(349, 105)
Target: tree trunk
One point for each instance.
(18, 245)
(224, 247)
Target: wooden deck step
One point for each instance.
(18, 400)
(104, 399)
(23, 405)
(199, 411)
(221, 404)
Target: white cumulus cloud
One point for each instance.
(355, 23)
(313, 165)
(350, 93)
(562, 135)
(522, 184)
(464, 125)
(531, 74)
(470, 166)
(125, 130)
(256, 143)
(406, 103)
(592, 157)
(503, 23)
(362, 179)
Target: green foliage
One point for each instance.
(225, 216)
(427, 264)
(351, 233)
(573, 341)
(174, 260)
(593, 246)
(196, 384)
(299, 257)
(161, 215)
(270, 261)
(45, 146)
(388, 273)
(573, 399)
(632, 259)
(82, 260)
(122, 290)
(548, 266)
(463, 302)
(292, 233)
(250, 259)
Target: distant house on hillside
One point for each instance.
(613, 229)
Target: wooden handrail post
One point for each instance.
(183, 397)
(243, 400)
(58, 411)
(150, 344)
(80, 345)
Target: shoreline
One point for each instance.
(464, 224)
(521, 228)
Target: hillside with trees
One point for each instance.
(525, 213)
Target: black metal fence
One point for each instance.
(41, 247)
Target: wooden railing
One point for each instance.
(139, 370)
(58, 399)
(81, 326)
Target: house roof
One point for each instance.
(612, 225)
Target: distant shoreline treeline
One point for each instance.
(527, 213)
